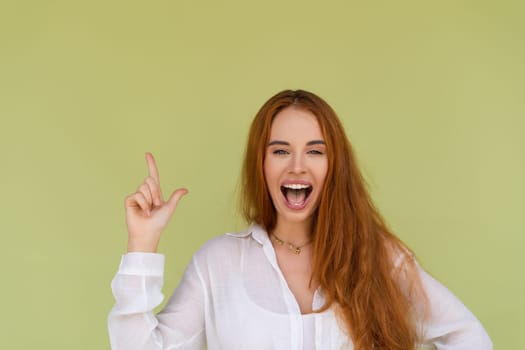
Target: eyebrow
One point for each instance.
(284, 143)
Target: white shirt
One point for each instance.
(234, 296)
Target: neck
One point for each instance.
(296, 233)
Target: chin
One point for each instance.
(296, 218)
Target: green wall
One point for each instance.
(431, 93)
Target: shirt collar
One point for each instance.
(256, 231)
(259, 234)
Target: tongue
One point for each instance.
(296, 197)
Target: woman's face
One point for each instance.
(296, 164)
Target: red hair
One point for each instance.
(354, 252)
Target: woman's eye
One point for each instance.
(314, 151)
(280, 151)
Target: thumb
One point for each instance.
(174, 199)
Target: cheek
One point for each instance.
(322, 172)
(271, 179)
(268, 175)
(271, 170)
(266, 171)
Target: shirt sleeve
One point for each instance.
(450, 325)
(137, 288)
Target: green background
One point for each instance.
(431, 93)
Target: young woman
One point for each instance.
(317, 268)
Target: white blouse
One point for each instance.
(234, 296)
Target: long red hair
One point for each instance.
(354, 252)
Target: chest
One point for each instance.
(297, 271)
(255, 301)
(245, 325)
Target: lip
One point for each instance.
(298, 182)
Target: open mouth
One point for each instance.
(296, 194)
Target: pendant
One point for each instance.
(290, 246)
(296, 250)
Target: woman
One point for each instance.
(317, 269)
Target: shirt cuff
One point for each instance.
(145, 264)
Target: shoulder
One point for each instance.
(230, 244)
(399, 255)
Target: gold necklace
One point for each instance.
(295, 249)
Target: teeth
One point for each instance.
(296, 186)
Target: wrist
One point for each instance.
(140, 246)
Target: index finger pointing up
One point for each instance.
(152, 167)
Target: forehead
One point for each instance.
(296, 123)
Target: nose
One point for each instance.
(297, 164)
